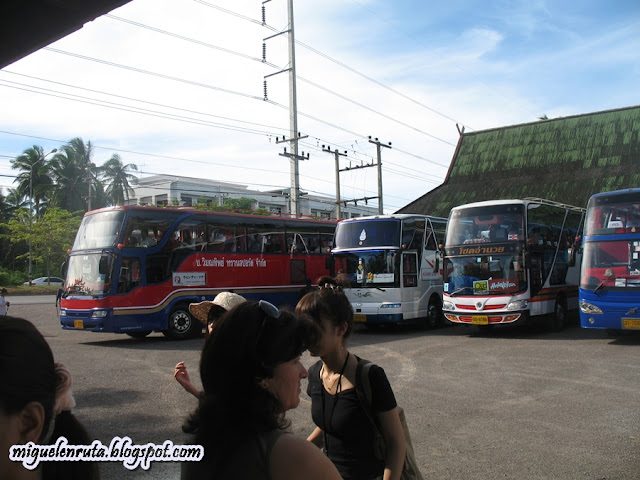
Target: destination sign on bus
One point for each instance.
(480, 250)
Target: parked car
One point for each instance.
(57, 281)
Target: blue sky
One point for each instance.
(405, 72)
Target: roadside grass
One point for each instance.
(32, 290)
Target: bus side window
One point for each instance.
(129, 276)
(157, 268)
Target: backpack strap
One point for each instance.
(363, 389)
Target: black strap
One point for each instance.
(363, 389)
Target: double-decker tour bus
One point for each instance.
(610, 275)
(392, 263)
(135, 270)
(509, 261)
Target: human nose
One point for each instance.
(304, 373)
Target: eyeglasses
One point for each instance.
(270, 311)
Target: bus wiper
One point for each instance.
(600, 285)
(381, 289)
(461, 289)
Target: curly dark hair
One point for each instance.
(245, 346)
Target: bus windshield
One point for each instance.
(368, 233)
(371, 268)
(613, 214)
(611, 265)
(495, 223)
(485, 275)
(99, 230)
(89, 274)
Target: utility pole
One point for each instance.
(379, 146)
(294, 136)
(337, 157)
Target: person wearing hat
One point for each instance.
(208, 312)
(4, 305)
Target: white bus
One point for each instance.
(509, 261)
(392, 263)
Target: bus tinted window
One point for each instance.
(99, 230)
(613, 214)
(368, 233)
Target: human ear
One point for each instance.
(31, 422)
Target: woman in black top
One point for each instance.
(343, 427)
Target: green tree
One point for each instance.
(36, 175)
(242, 203)
(52, 235)
(76, 176)
(118, 179)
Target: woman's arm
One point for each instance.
(391, 429)
(316, 437)
(182, 376)
(293, 458)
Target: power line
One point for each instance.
(262, 60)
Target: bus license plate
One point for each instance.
(78, 324)
(359, 317)
(631, 323)
(480, 320)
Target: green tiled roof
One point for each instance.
(564, 159)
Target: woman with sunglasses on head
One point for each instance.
(208, 312)
(343, 426)
(251, 371)
(35, 404)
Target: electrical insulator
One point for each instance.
(265, 90)
(264, 15)
(264, 52)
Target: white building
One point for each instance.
(187, 191)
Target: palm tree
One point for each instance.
(118, 179)
(76, 176)
(35, 178)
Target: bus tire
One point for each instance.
(434, 316)
(559, 318)
(181, 324)
(139, 334)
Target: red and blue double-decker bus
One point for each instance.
(135, 270)
(610, 276)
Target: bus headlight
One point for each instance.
(99, 313)
(589, 308)
(517, 305)
(448, 306)
(63, 312)
(391, 305)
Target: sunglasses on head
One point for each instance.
(270, 311)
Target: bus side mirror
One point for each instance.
(104, 266)
(436, 263)
(571, 260)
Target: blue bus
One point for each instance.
(610, 274)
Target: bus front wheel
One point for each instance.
(434, 316)
(182, 324)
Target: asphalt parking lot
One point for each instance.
(515, 404)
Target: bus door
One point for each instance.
(430, 267)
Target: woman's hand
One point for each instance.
(182, 376)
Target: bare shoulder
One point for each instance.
(293, 458)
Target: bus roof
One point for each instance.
(616, 192)
(394, 216)
(518, 201)
(213, 212)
